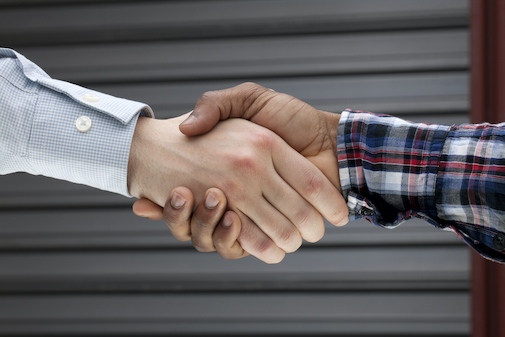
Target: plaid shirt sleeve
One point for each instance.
(451, 176)
(39, 127)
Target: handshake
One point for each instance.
(256, 185)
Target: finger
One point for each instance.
(147, 209)
(311, 184)
(274, 224)
(177, 213)
(206, 218)
(214, 106)
(226, 236)
(257, 243)
(305, 217)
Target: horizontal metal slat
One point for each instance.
(256, 57)
(364, 267)
(21, 190)
(371, 314)
(168, 20)
(88, 229)
(390, 93)
(31, 3)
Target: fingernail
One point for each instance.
(227, 221)
(211, 201)
(177, 201)
(189, 121)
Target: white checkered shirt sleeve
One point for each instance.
(39, 132)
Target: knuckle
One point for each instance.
(202, 246)
(258, 145)
(230, 187)
(231, 254)
(265, 247)
(206, 96)
(220, 244)
(304, 218)
(235, 191)
(266, 250)
(254, 97)
(245, 161)
(290, 239)
(249, 85)
(173, 219)
(311, 224)
(262, 139)
(178, 227)
(202, 222)
(181, 235)
(314, 185)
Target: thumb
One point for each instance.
(214, 106)
(201, 120)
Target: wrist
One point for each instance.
(156, 152)
(330, 122)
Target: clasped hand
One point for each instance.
(256, 192)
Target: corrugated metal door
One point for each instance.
(75, 261)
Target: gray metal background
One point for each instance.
(75, 261)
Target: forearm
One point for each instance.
(392, 170)
(471, 186)
(43, 131)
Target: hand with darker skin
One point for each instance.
(309, 131)
(210, 226)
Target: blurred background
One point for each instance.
(76, 261)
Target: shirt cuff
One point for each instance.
(388, 167)
(82, 136)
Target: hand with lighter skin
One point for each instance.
(274, 192)
(309, 131)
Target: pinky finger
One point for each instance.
(225, 237)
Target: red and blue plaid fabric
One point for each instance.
(452, 177)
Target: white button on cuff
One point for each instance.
(90, 98)
(83, 123)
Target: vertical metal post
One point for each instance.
(487, 105)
